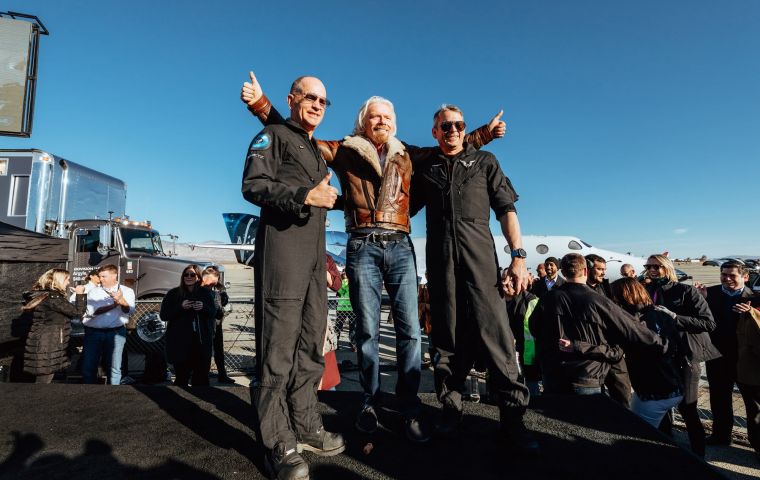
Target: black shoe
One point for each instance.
(713, 440)
(226, 379)
(416, 431)
(286, 464)
(519, 438)
(366, 421)
(449, 421)
(322, 443)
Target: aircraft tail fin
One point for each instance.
(242, 228)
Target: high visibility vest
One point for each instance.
(529, 357)
(344, 302)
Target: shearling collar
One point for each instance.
(368, 152)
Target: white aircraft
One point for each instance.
(540, 247)
(242, 230)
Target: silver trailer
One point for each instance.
(40, 192)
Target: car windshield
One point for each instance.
(142, 240)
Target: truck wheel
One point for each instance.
(149, 329)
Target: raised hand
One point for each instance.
(323, 195)
(251, 92)
(496, 126)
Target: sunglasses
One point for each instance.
(189, 275)
(446, 126)
(312, 98)
(653, 266)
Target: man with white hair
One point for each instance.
(375, 171)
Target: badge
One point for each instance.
(261, 142)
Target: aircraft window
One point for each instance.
(589, 246)
(573, 245)
(541, 248)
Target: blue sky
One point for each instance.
(633, 125)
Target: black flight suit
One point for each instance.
(468, 315)
(283, 164)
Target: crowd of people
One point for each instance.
(575, 333)
(193, 312)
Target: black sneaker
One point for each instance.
(519, 438)
(286, 464)
(322, 443)
(366, 421)
(225, 379)
(416, 431)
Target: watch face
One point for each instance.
(519, 252)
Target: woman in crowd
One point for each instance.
(210, 280)
(331, 375)
(45, 350)
(657, 380)
(190, 314)
(693, 320)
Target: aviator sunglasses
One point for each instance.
(312, 98)
(446, 126)
(189, 275)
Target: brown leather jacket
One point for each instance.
(372, 197)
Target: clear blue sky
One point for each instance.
(633, 125)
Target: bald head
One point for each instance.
(307, 101)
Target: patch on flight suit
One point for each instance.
(261, 142)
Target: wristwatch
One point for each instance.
(519, 253)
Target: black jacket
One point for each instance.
(539, 286)
(654, 377)
(595, 325)
(183, 325)
(726, 320)
(693, 318)
(603, 288)
(46, 346)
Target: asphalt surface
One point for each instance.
(92, 431)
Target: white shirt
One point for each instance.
(98, 297)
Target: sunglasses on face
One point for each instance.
(312, 98)
(189, 275)
(652, 266)
(446, 126)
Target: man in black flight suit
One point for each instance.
(286, 176)
(459, 187)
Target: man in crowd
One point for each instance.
(375, 171)
(550, 280)
(618, 383)
(627, 270)
(726, 301)
(577, 332)
(286, 176)
(108, 309)
(459, 187)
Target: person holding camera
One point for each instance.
(189, 311)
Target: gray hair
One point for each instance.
(444, 108)
(361, 117)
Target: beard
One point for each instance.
(380, 135)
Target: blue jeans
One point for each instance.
(105, 343)
(369, 265)
(587, 390)
(653, 411)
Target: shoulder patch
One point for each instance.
(261, 142)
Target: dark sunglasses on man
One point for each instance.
(312, 98)
(446, 126)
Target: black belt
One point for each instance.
(379, 237)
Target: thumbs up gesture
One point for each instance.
(496, 126)
(323, 195)
(252, 91)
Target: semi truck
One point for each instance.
(55, 213)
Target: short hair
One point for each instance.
(296, 87)
(93, 272)
(593, 258)
(743, 270)
(195, 268)
(572, 265)
(629, 291)
(446, 107)
(211, 270)
(667, 264)
(552, 260)
(622, 267)
(361, 117)
(109, 268)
